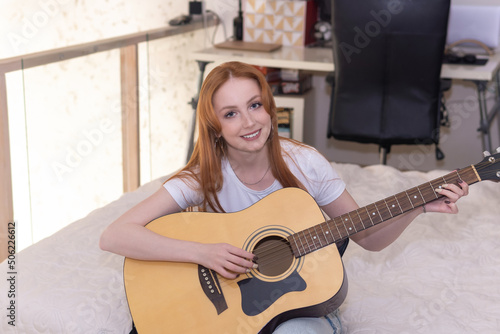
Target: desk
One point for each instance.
(309, 59)
(321, 60)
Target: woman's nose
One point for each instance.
(248, 119)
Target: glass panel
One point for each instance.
(73, 142)
(166, 118)
(18, 156)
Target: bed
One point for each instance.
(440, 276)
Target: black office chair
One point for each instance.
(387, 88)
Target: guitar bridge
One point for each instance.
(211, 287)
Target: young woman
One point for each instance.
(239, 159)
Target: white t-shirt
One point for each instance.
(308, 165)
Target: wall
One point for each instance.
(34, 25)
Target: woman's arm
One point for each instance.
(382, 235)
(128, 236)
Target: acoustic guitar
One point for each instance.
(297, 274)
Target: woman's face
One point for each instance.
(245, 123)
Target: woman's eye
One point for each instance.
(255, 105)
(229, 114)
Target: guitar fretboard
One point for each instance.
(350, 223)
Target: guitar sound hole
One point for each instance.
(274, 255)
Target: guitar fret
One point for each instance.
(337, 228)
(374, 213)
(345, 226)
(397, 201)
(324, 234)
(365, 218)
(444, 180)
(360, 219)
(388, 208)
(307, 242)
(321, 236)
(434, 191)
(423, 199)
(368, 213)
(409, 199)
(301, 243)
(330, 230)
(415, 198)
(352, 222)
(378, 211)
(404, 200)
(428, 195)
(435, 184)
(341, 222)
(381, 210)
(309, 239)
(293, 236)
(392, 202)
(316, 237)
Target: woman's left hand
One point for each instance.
(451, 194)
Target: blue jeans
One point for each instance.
(323, 325)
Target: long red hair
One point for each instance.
(204, 165)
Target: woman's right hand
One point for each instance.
(227, 260)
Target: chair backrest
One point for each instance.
(388, 56)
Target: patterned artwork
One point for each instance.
(278, 21)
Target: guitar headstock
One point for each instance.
(489, 167)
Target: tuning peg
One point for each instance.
(486, 154)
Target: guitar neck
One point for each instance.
(348, 224)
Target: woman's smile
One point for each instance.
(252, 136)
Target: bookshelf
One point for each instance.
(297, 105)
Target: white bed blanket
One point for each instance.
(441, 276)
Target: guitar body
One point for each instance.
(167, 297)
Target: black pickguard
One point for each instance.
(257, 295)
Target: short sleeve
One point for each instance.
(184, 194)
(326, 183)
(316, 173)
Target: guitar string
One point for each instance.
(278, 253)
(424, 193)
(285, 244)
(274, 251)
(427, 194)
(274, 254)
(279, 249)
(311, 240)
(277, 257)
(483, 165)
